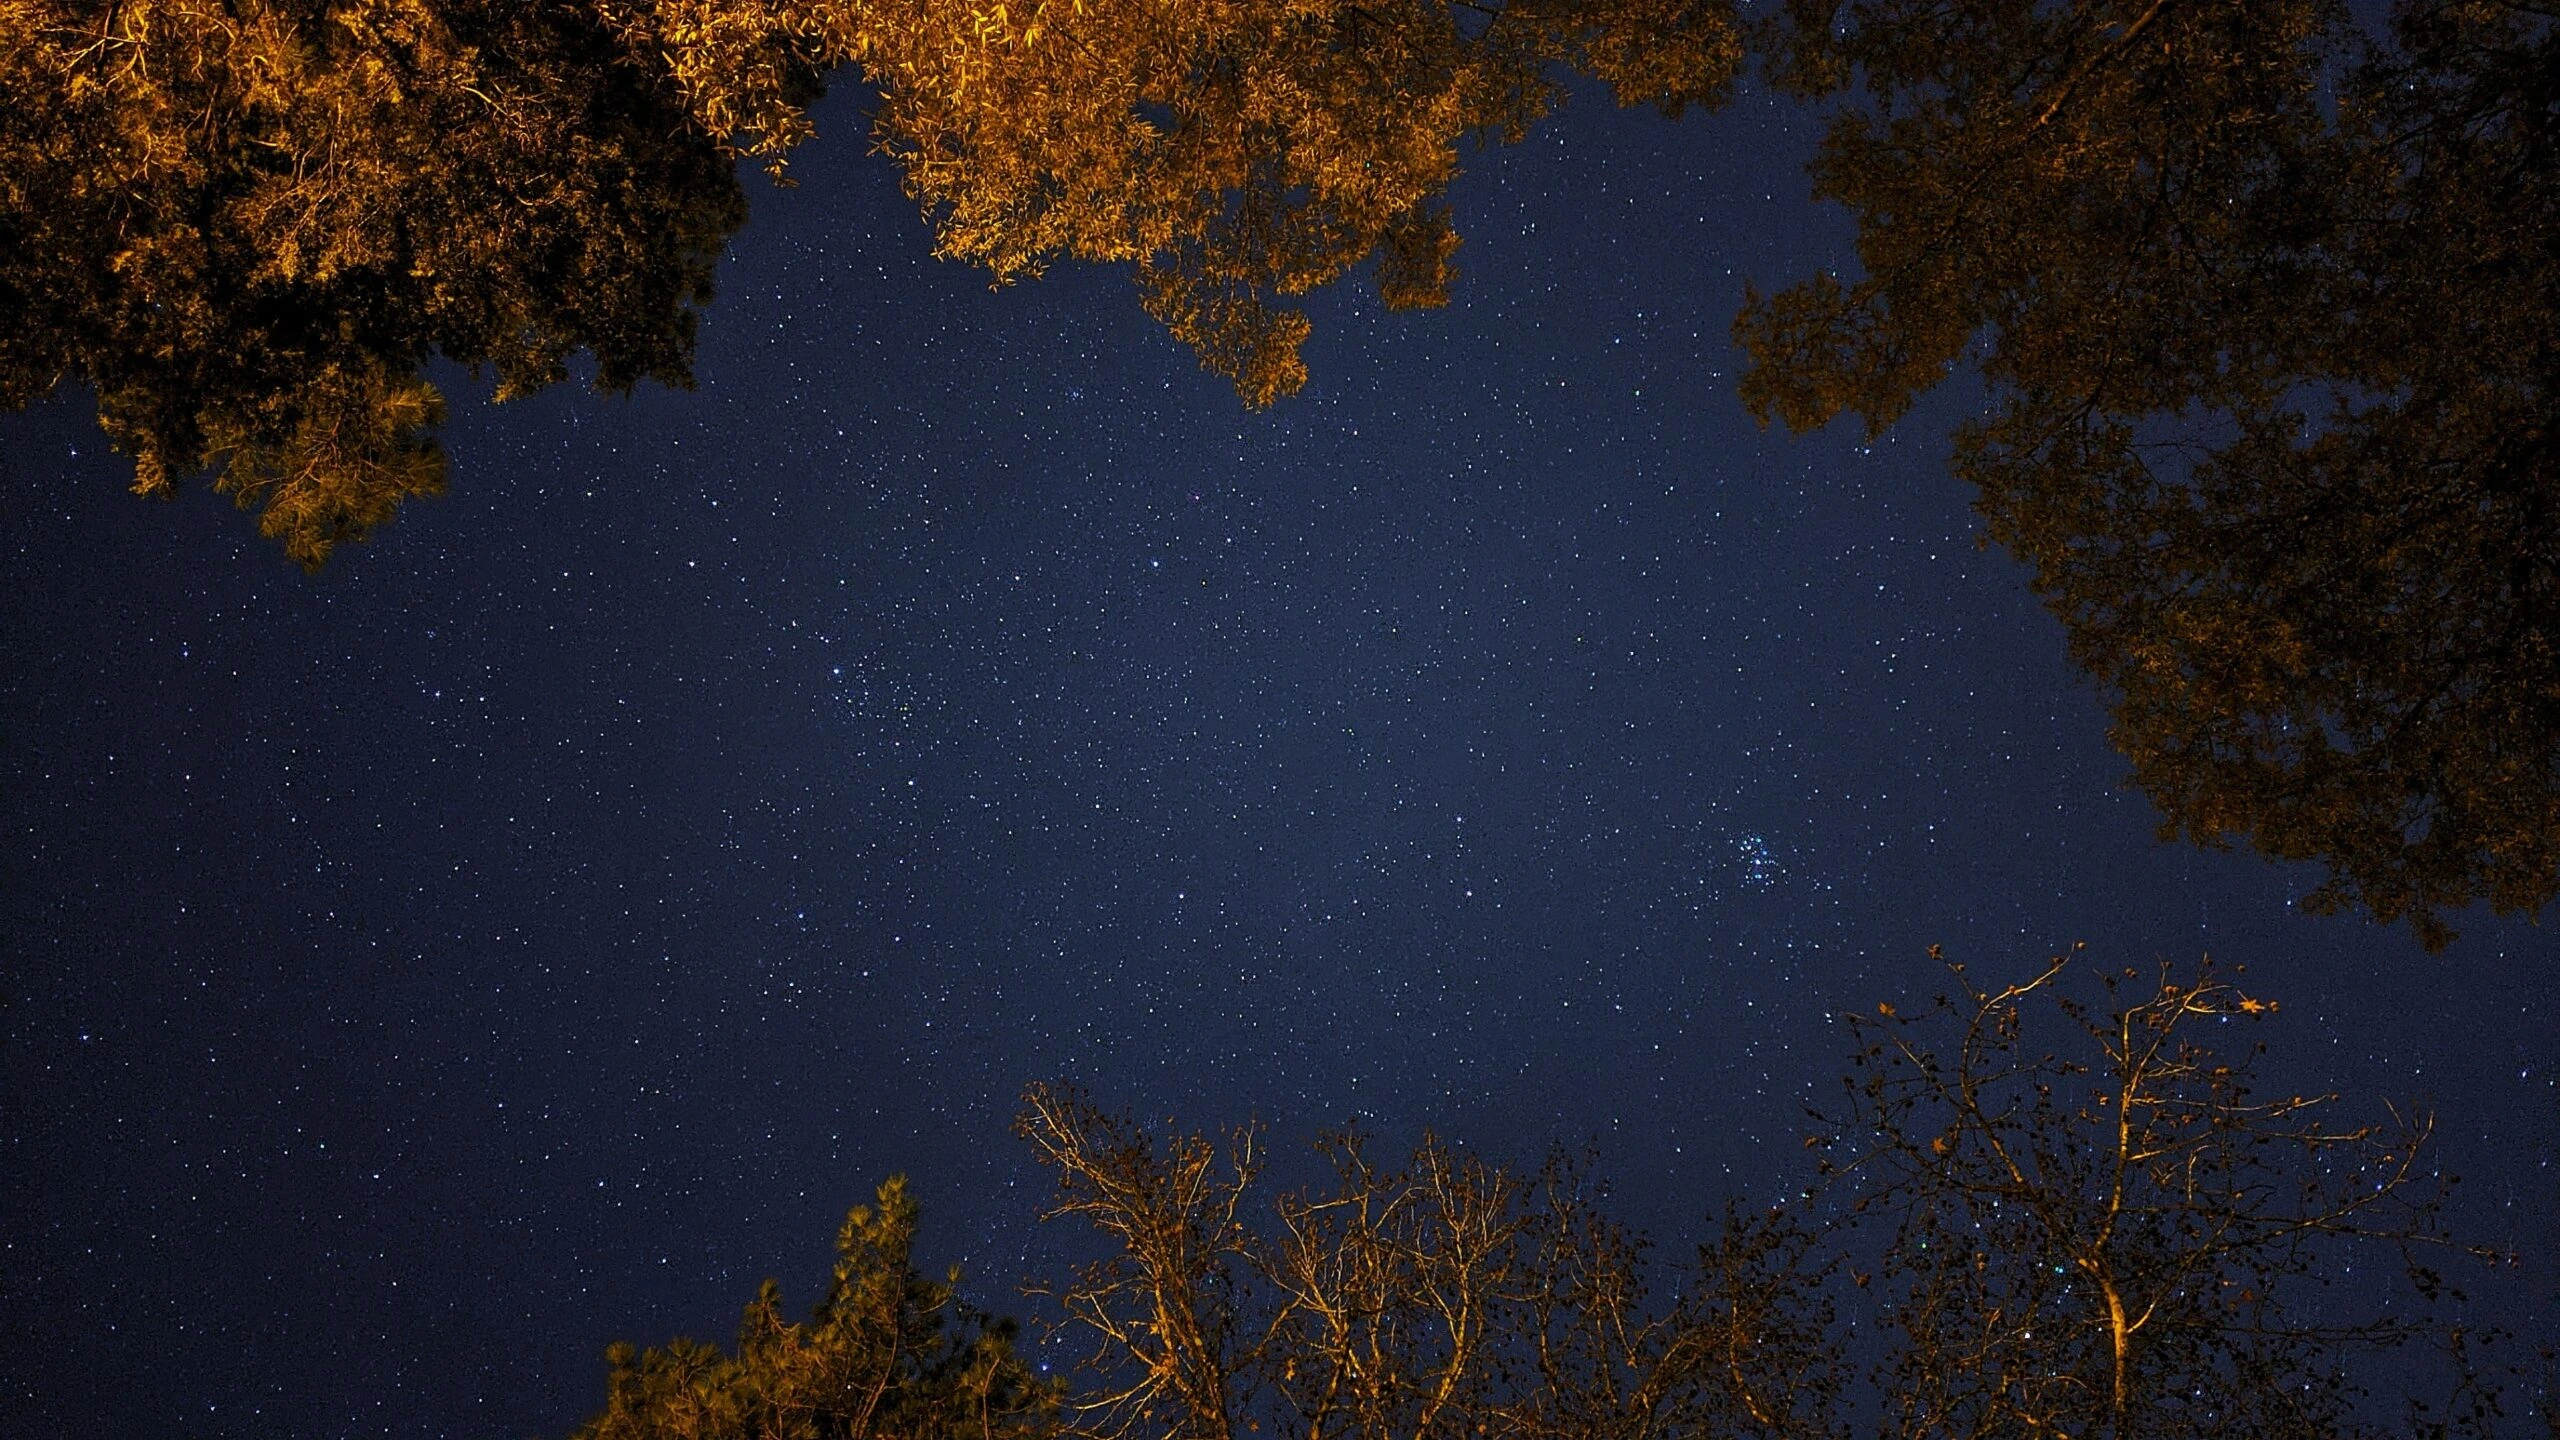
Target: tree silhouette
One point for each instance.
(2267, 308)
(2049, 1209)
(2115, 1235)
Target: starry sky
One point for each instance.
(539, 927)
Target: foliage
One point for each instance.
(2266, 305)
(248, 224)
(887, 1354)
(2266, 310)
(1243, 151)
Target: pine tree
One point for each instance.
(887, 1354)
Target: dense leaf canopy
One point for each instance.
(2270, 314)
(248, 225)
(2268, 306)
(1246, 150)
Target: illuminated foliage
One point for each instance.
(1442, 1298)
(249, 224)
(2267, 314)
(887, 1354)
(2060, 1208)
(1237, 152)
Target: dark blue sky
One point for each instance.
(539, 927)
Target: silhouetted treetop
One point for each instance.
(2063, 1207)
(2270, 315)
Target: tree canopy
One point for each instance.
(2048, 1209)
(2268, 306)
(1239, 152)
(2269, 311)
(248, 225)
(886, 1353)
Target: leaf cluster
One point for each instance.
(249, 224)
(2266, 308)
(887, 1353)
(1240, 152)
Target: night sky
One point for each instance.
(539, 927)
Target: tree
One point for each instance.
(248, 225)
(2267, 311)
(1241, 152)
(1447, 1297)
(2052, 1210)
(2107, 1233)
(887, 1354)
(2115, 1236)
